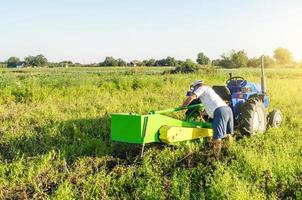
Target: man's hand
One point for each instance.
(189, 100)
(203, 113)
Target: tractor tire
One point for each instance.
(274, 119)
(252, 118)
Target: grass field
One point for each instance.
(55, 138)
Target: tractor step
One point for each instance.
(171, 134)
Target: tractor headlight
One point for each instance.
(246, 89)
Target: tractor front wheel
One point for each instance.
(252, 117)
(274, 118)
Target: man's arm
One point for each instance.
(189, 100)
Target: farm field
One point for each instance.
(55, 138)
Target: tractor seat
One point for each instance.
(223, 92)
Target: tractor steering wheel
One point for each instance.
(237, 79)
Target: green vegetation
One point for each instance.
(55, 138)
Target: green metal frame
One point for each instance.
(141, 129)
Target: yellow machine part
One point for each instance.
(170, 134)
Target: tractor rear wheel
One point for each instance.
(252, 117)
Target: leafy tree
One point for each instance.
(268, 61)
(30, 60)
(41, 60)
(151, 62)
(283, 56)
(12, 61)
(235, 59)
(66, 62)
(179, 63)
(109, 61)
(216, 62)
(254, 62)
(38, 60)
(239, 59)
(161, 62)
(187, 67)
(121, 62)
(202, 59)
(170, 61)
(225, 61)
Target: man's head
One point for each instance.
(196, 85)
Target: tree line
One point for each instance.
(232, 59)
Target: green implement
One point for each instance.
(141, 129)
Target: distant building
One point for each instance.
(20, 64)
(135, 63)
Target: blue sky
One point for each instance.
(88, 30)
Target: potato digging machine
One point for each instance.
(248, 101)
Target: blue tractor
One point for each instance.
(249, 103)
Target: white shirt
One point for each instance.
(210, 99)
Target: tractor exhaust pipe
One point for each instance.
(263, 86)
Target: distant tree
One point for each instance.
(179, 63)
(234, 59)
(12, 61)
(202, 59)
(187, 67)
(109, 61)
(225, 61)
(283, 56)
(121, 62)
(38, 60)
(268, 61)
(161, 62)
(216, 62)
(41, 60)
(150, 62)
(65, 63)
(254, 62)
(239, 58)
(170, 61)
(30, 61)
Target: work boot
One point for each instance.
(217, 144)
